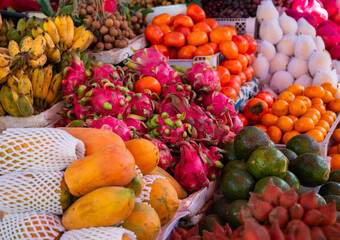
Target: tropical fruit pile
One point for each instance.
(30, 79)
(154, 3)
(311, 110)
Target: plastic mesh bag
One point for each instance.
(148, 180)
(31, 191)
(30, 226)
(98, 233)
(43, 149)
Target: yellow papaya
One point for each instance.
(102, 207)
(136, 184)
(112, 165)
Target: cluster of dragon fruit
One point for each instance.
(189, 122)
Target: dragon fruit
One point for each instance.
(203, 78)
(105, 71)
(170, 129)
(136, 124)
(176, 86)
(113, 124)
(191, 170)
(219, 105)
(75, 75)
(212, 156)
(142, 105)
(166, 160)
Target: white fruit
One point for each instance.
(270, 30)
(261, 67)
(320, 44)
(288, 24)
(266, 49)
(286, 45)
(280, 81)
(267, 79)
(266, 11)
(336, 65)
(323, 76)
(305, 80)
(304, 46)
(297, 67)
(319, 60)
(305, 27)
(268, 89)
(279, 63)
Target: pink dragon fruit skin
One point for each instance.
(135, 123)
(142, 105)
(191, 171)
(165, 158)
(113, 124)
(203, 78)
(219, 105)
(106, 71)
(176, 86)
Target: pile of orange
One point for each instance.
(334, 151)
(300, 110)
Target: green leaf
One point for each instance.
(68, 9)
(45, 7)
(136, 8)
(10, 9)
(147, 11)
(198, 2)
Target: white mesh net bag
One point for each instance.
(98, 233)
(304, 46)
(288, 24)
(266, 49)
(43, 149)
(286, 45)
(297, 67)
(279, 63)
(336, 66)
(30, 226)
(280, 81)
(320, 44)
(266, 11)
(324, 76)
(305, 80)
(31, 191)
(261, 67)
(305, 27)
(271, 31)
(145, 194)
(267, 79)
(319, 60)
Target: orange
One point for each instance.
(262, 127)
(294, 118)
(315, 112)
(274, 134)
(336, 135)
(316, 134)
(304, 124)
(320, 107)
(306, 100)
(280, 108)
(269, 119)
(327, 118)
(312, 116)
(314, 91)
(324, 132)
(324, 124)
(330, 87)
(327, 97)
(331, 113)
(296, 89)
(338, 148)
(333, 150)
(334, 105)
(288, 135)
(297, 107)
(287, 96)
(316, 101)
(285, 124)
(335, 161)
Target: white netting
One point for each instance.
(98, 233)
(148, 180)
(304, 46)
(31, 191)
(30, 226)
(43, 149)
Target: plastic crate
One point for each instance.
(213, 60)
(243, 25)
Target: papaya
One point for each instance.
(163, 198)
(102, 207)
(111, 165)
(94, 139)
(136, 184)
(143, 221)
(146, 154)
(181, 193)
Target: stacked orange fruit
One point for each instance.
(334, 151)
(300, 110)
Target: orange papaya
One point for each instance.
(136, 184)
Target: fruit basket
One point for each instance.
(213, 60)
(243, 25)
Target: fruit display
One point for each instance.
(111, 29)
(333, 149)
(153, 3)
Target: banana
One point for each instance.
(12, 82)
(10, 24)
(3, 28)
(49, 41)
(2, 111)
(24, 106)
(5, 60)
(53, 55)
(8, 99)
(39, 62)
(55, 88)
(61, 24)
(52, 30)
(56, 99)
(3, 40)
(24, 85)
(27, 43)
(77, 33)
(70, 32)
(4, 79)
(19, 73)
(38, 47)
(13, 48)
(36, 31)
(21, 25)
(38, 82)
(4, 71)
(0, 21)
(4, 51)
(48, 74)
(30, 23)
(16, 35)
(83, 42)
